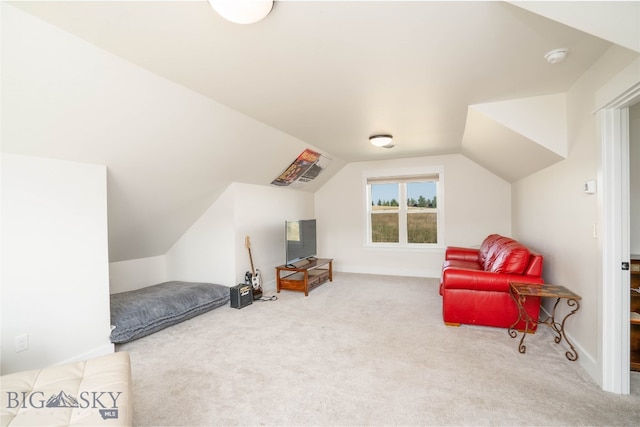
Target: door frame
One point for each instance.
(614, 245)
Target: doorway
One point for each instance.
(615, 243)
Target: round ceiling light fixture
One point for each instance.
(381, 140)
(556, 55)
(242, 11)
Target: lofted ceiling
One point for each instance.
(328, 74)
(332, 72)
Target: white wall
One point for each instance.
(542, 119)
(137, 273)
(621, 26)
(552, 213)
(55, 278)
(260, 214)
(213, 249)
(205, 253)
(477, 203)
(170, 151)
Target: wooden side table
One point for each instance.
(520, 292)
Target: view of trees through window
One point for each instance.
(412, 221)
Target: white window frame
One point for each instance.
(404, 175)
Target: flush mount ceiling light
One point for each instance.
(381, 140)
(242, 11)
(556, 55)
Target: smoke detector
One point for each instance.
(556, 55)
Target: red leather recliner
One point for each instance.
(475, 283)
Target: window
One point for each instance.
(405, 210)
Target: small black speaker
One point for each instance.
(241, 295)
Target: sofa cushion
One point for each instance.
(494, 250)
(486, 245)
(512, 258)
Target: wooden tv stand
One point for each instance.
(304, 275)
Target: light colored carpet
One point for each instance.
(362, 350)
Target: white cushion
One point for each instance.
(95, 392)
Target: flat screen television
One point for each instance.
(300, 238)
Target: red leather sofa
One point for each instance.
(475, 283)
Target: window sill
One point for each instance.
(403, 248)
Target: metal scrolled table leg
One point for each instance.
(558, 328)
(572, 354)
(522, 315)
(512, 332)
(555, 326)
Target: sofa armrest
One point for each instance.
(477, 280)
(461, 254)
(535, 265)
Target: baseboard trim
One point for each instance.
(96, 352)
(384, 271)
(585, 359)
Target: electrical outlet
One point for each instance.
(22, 343)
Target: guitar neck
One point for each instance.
(253, 270)
(247, 243)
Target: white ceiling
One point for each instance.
(331, 73)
